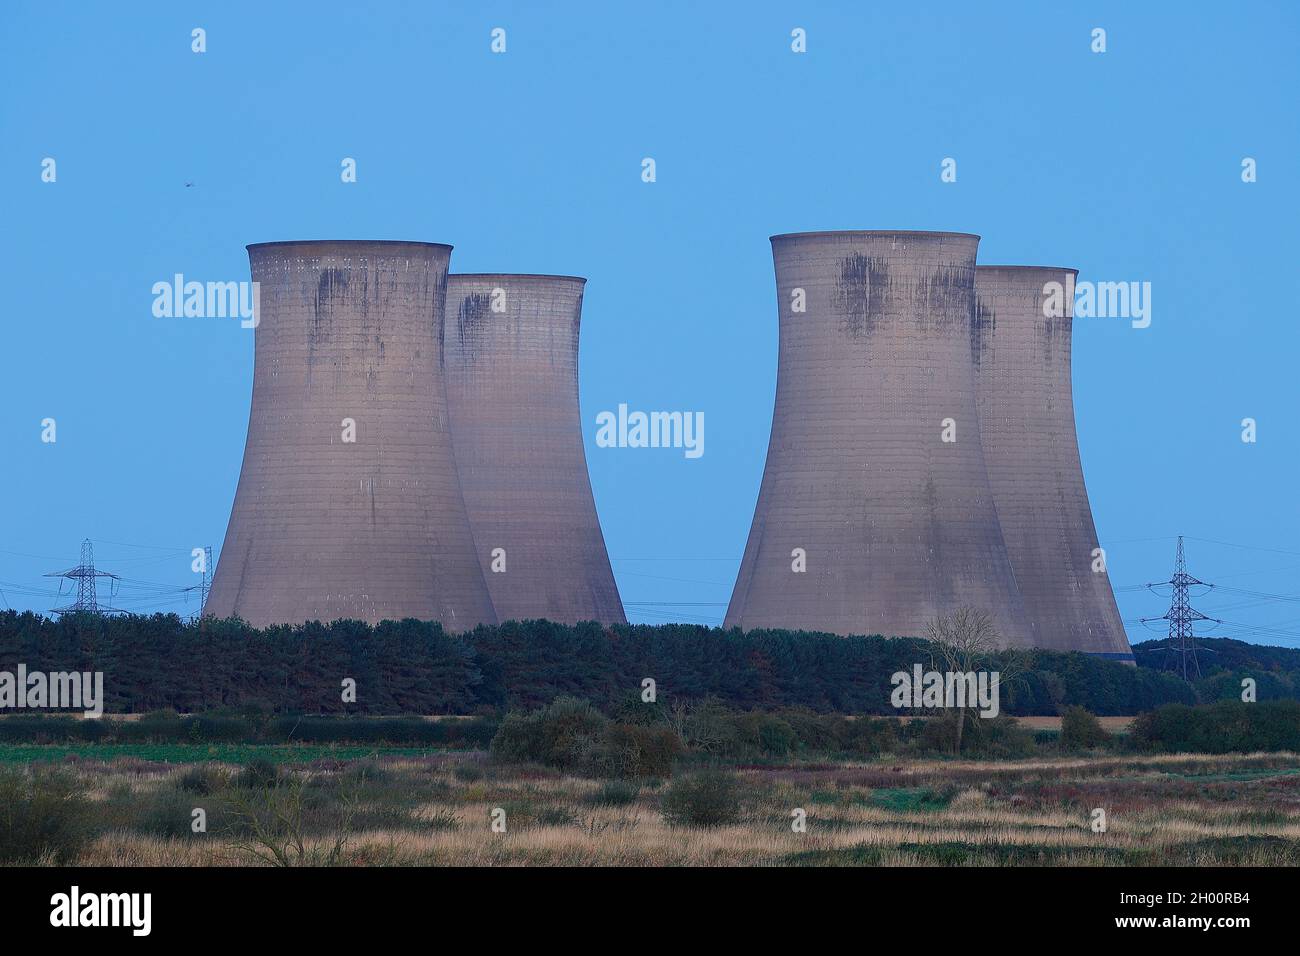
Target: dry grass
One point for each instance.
(1194, 810)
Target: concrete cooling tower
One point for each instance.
(875, 470)
(1027, 425)
(349, 503)
(512, 385)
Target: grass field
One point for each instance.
(367, 806)
(196, 753)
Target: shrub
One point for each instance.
(155, 727)
(562, 735)
(43, 815)
(633, 710)
(202, 780)
(616, 793)
(1080, 730)
(636, 750)
(1000, 736)
(936, 734)
(168, 815)
(219, 728)
(1227, 726)
(556, 817)
(870, 735)
(818, 733)
(260, 774)
(573, 736)
(776, 737)
(707, 798)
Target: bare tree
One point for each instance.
(269, 825)
(965, 640)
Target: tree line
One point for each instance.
(414, 667)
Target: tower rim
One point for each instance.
(874, 234)
(348, 242)
(1002, 268)
(514, 275)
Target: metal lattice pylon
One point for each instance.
(1182, 617)
(85, 575)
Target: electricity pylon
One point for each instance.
(84, 574)
(1182, 617)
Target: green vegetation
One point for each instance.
(1225, 663)
(706, 798)
(572, 735)
(248, 725)
(356, 806)
(1227, 726)
(412, 667)
(192, 753)
(1080, 730)
(646, 741)
(43, 816)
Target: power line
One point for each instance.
(675, 603)
(1244, 547)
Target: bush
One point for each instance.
(633, 710)
(616, 793)
(219, 728)
(635, 750)
(571, 735)
(776, 737)
(43, 816)
(468, 732)
(1080, 730)
(868, 735)
(361, 773)
(52, 728)
(555, 817)
(155, 727)
(260, 774)
(1228, 726)
(1000, 736)
(168, 815)
(562, 735)
(203, 780)
(707, 798)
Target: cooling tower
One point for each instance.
(512, 387)
(1027, 424)
(349, 503)
(875, 471)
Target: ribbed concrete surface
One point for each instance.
(375, 529)
(512, 386)
(1027, 424)
(898, 526)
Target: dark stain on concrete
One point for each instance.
(982, 329)
(861, 290)
(472, 315)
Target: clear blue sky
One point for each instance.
(1124, 164)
